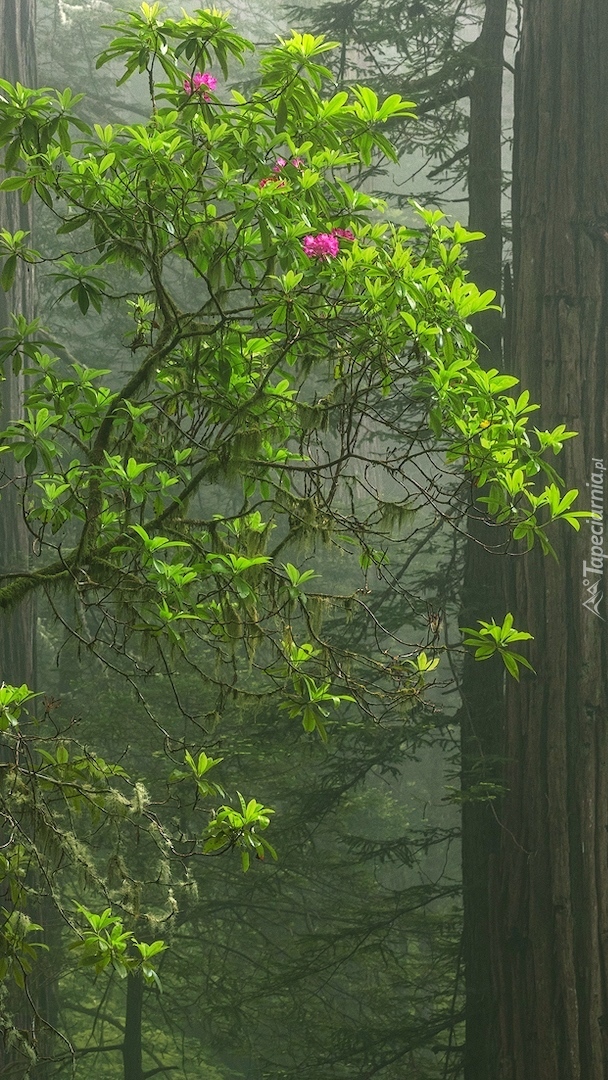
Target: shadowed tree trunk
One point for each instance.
(481, 715)
(485, 170)
(17, 63)
(17, 629)
(132, 1046)
(551, 918)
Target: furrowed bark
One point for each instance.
(551, 917)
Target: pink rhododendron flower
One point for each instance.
(346, 234)
(278, 166)
(198, 81)
(281, 162)
(323, 245)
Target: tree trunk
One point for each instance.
(132, 1046)
(481, 715)
(17, 630)
(551, 918)
(485, 170)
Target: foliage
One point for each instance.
(263, 969)
(492, 639)
(105, 943)
(233, 325)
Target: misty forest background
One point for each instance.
(438, 906)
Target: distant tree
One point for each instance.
(18, 628)
(433, 53)
(482, 712)
(263, 970)
(17, 63)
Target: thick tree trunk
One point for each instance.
(482, 689)
(17, 629)
(17, 63)
(551, 919)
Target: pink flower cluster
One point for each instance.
(326, 245)
(323, 245)
(198, 81)
(279, 164)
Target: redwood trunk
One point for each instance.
(17, 629)
(481, 716)
(551, 924)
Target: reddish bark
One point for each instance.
(550, 919)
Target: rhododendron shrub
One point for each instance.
(287, 343)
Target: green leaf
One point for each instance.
(435, 423)
(74, 223)
(224, 370)
(334, 105)
(8, 272)
(511, 664)
(31, 461)
(14, 183)
(83, 299)
(282, 113)
(11, 156)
